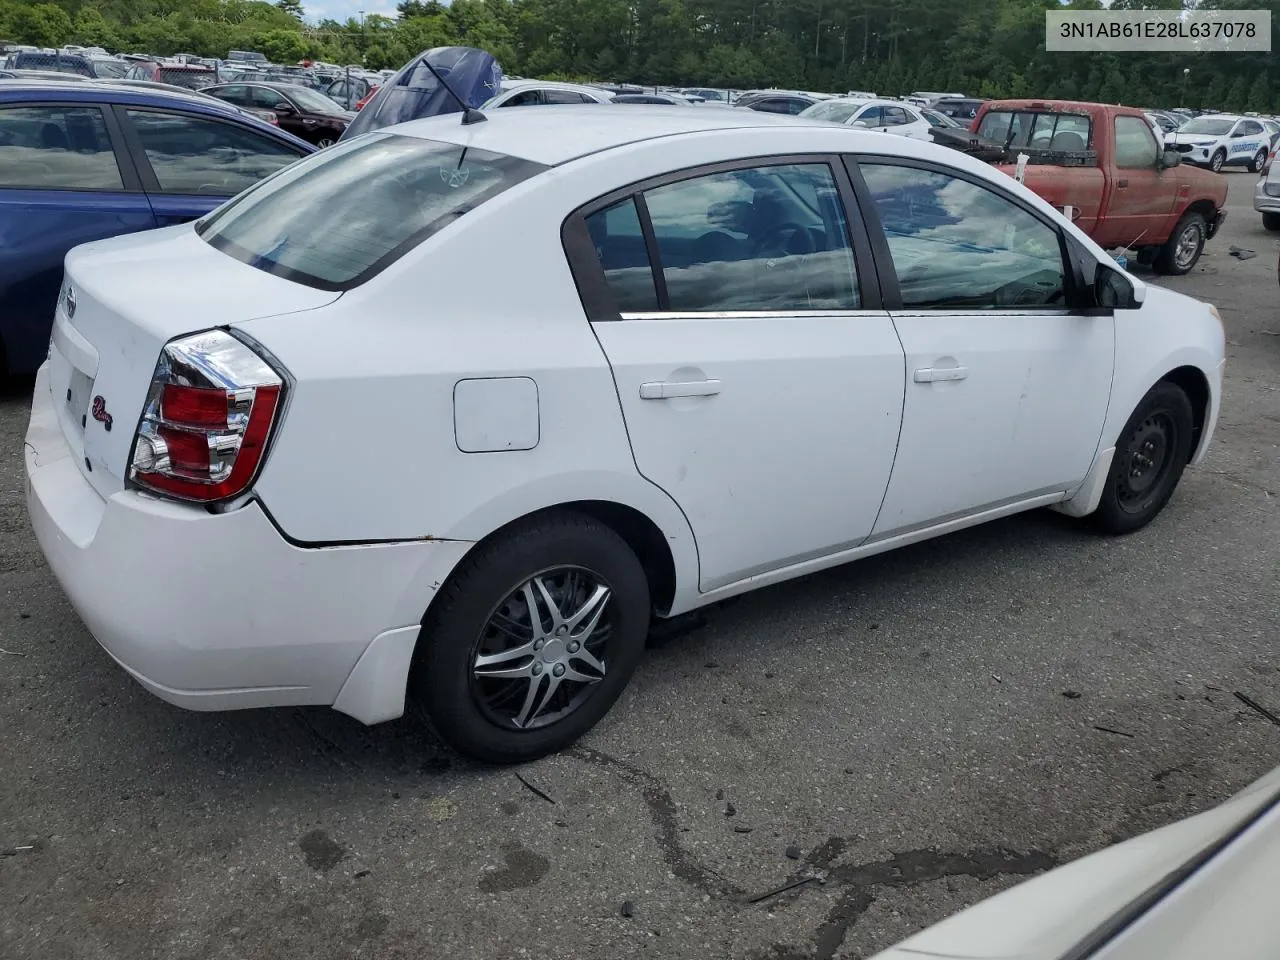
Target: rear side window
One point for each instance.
(339, 217)
(1045, 131)
(208, 158)
(771, 238)
(56, 148)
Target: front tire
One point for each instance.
(1218, 159)
(532, 639)
(1258, 162)
(325, 142)
(1152, 452)
(1271, 221)
(1182, 250)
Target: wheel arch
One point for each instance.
(1195, 385)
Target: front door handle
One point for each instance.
(666, 389)
(934, 374)
(1122, 183)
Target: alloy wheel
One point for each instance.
(1189, 241)
(543, 649)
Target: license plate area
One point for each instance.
(79, 387)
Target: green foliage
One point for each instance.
(985, 47)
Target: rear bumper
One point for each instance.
(1262, 201)
(219, 611)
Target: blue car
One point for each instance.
(85, 161)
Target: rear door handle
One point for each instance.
(666, 389)
(1122, 183)
(934, 374)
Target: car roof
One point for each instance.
(548, 85)
(553, 135)
(97, 91)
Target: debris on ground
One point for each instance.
(730, 809)
(628, 909)
(742, 829)
(10, 653)
(1241, 254)
(777, 891)
(534, 790)
(1257, 707)
(1118, 733)
(1072, 694)
(792, 852)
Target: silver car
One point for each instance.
(1266, 195)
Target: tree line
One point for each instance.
(989, 48)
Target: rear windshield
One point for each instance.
(339, 217)
(1029, 128)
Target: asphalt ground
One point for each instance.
(907, 735)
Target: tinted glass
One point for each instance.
(338, 217)
(772, 105)
(56, 148)
(755, 240)
(526, 98)
(872, 117)
(1252, 128)
(265, 98)
(620, 246)
(313, 101)
(193, 155)
(1135, 143)
(236, 93)
(191, 79)
(563, 96)
(112, 69)
(895, 117)
(955, 244)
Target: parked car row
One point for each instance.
(89, 159)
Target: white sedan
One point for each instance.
(1219, 140)
(454, 410)
(887, 116)
(538, 93)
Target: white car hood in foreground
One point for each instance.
(1046, 917)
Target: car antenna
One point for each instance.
(469, 114)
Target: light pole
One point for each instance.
(1186, 72)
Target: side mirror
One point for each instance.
(1237, 134)
(282, 109)
(863, 123)
(1114, 290)
(1169, 158)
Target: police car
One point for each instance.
(1216, 140)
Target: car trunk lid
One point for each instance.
(123, 299)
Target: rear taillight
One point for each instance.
(204, 431)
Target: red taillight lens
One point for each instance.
(204, 432)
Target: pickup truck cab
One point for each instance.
(1103, 166)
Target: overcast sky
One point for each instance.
(341, 9)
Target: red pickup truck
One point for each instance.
(1106, 168)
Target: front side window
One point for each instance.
(208, 158)
(956, 245)
(56, 148)
(769, 239)
(1252, 128)
(1135, 144)
(564, 96)
(526, 98)
(338, 217)
(191, 79)
(264, 98)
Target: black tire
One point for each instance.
(460, 626)
(1217, 160)
(1174, 264)
(1151, 453)
(1259, 160)
(1271, 221)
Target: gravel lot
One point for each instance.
(920, 730)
